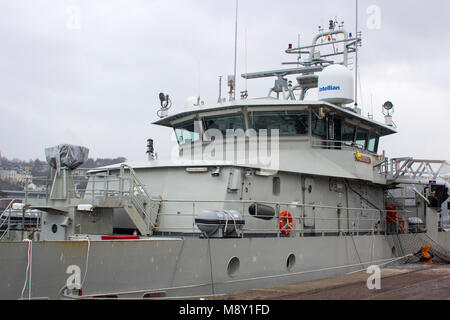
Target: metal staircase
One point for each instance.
(141, 209)
(130, 193)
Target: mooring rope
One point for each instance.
(29, 269)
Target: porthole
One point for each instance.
(233, 266)
(290, 262)
(54, 228)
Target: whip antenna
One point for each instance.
(235, 49)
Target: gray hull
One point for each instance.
(189, 267)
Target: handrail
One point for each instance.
(370, 223)
(421, 195)
(127, 186)
(353, 222)
(8, 207)
(137, 195)
(3, 220)
(413, 169)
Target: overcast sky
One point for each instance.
(89, 72)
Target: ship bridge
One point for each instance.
(327, 137)
(315, 137)
(326, 124)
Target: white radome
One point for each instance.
(336, 85)
(190, 102)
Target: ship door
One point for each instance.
(309, 213)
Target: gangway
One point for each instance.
(414, 171)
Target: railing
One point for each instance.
(409, 170)
(359, 224)
(126, 186)
(20, 222)
(336, 145)
(362, 221)
(3, 219)
(139, 196)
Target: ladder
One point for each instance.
(141, 209)
(131, 195)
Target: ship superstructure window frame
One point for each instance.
(214, 122)
(318, 125)
(361, 138)
(188, 131)
(373, 141)
(348, 136)
(281, 120)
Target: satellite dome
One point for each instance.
(336, 85)
(190, 102)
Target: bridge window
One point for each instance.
(348, 134)
(373, 143)
(225, 122)
(318, 126)
(288, 123)
(361, 138)
(188, 131)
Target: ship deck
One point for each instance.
(400, 282)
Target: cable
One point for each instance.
(361, 196)
(381, 211)
(383, 264)
(356, 249)
(28, 270)
(226, 222)
(87, 261)
(211, 267)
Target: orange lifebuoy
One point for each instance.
(286, 223)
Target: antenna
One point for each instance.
(244, 94)
(198, 80)
(219, 100)
(235, 51)
(246, 59)
(370, 115)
